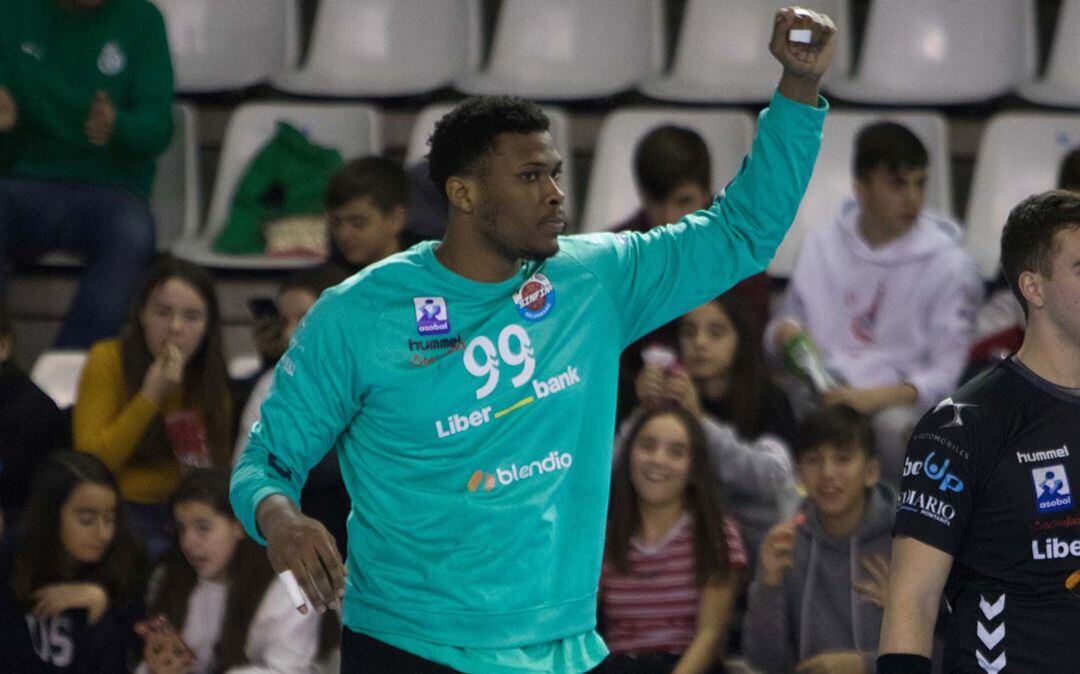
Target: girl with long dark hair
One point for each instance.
(156, 401)
(74, 587)
(673, 563)
(217, 589)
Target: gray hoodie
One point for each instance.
(815, 609)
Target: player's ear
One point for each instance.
(1031, 287)
(461, 192)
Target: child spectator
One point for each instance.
(673, 175)
(365, 209)
(31, 428)
(887, 293)
(219, 591)
(86, 89)
(156, 400)
(673, 562)
(324, 496)
(70, 597)
(748, 421)
(817, 597)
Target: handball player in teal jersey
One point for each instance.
(469, 388)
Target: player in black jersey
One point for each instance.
(986, 511)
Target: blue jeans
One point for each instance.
(111, 229)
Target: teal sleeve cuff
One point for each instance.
(793, 116)
(248, 519)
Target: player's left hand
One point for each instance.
(845, 662)
(102, 119)
(803, 60)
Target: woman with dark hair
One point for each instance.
(156, 401)
(217, 588)
(74, 587)
(720, 375)
(673, 563)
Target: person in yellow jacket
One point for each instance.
(156, 400)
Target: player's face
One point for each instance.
(1061, 291)
(836, 478)
(891, 200)
(519, 207)
(88, 522)
(686, 198)
(175, 313)
(363, 233)
(660, 461)
(708, 341)
(208, 539)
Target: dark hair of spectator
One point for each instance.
(1069, 173)
(381, 180)
(1027, 242)
(206, 380)
(313, 280)
(702, 502)
(887, 144)
(249, 572)
(839, 426)
(749, 370)
(669, 156)
(40, 558)
(464, 136)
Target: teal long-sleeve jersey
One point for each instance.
(474, 421)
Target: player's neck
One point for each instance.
(470, 256)
(1050, 355)
(657, 520)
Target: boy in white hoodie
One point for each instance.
(815, 604)
(886, 292)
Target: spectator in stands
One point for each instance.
(85, 109)
(74, 588)
(817, 597)
(428, 211)
(323, 497)
(673, 563)
(999, 327)
(887, 293)
(155, 401)
(748, 421)
(365, 209)
(673, 174)
(31, 428)
(219, 591)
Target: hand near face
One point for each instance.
(52, 600)
(803, 60)
(102, 119)
(777, 554)
(650, 387)
(9, 111)
(679, 387)
(164, 374)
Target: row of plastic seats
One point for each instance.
(914, 51)
(1019, 155)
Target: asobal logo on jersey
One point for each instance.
(553, 462)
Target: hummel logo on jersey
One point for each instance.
(957, 419)
(1035, 457)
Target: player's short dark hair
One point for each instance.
(380, 179)
(1069, 172)
(1027, 242)
(838, 425)
(887, 144)
(465, 135)
(669, 156)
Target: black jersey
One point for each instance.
(988, 478)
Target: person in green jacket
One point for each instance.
(469, 386)
(85, 109)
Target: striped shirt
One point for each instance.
(654, 607)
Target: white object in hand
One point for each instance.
(801, 35)
(293, 589)
(659, 355)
